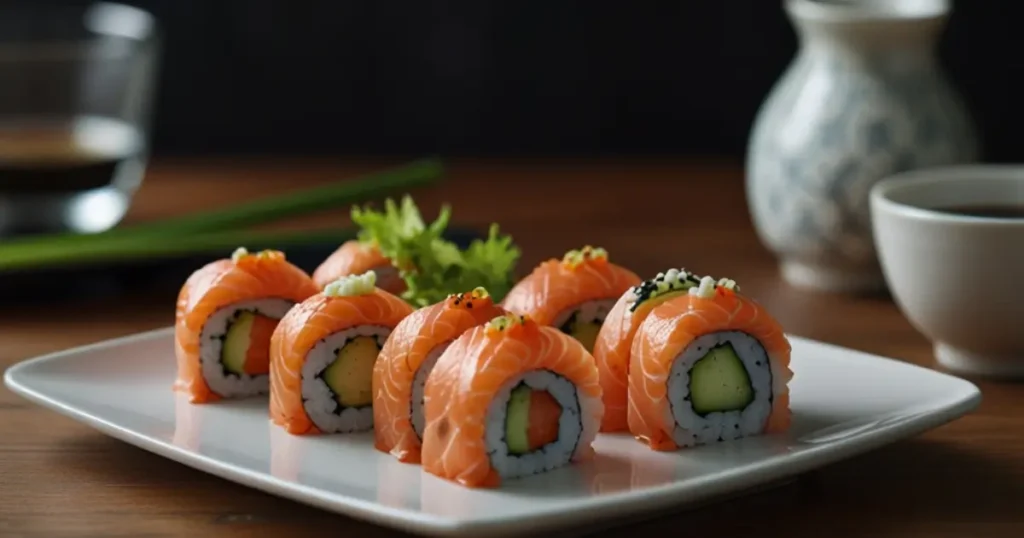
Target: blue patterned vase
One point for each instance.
(864, 98)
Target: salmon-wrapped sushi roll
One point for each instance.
(614, 340)
(408, 357)
(711, 365)
(322, 356)
(508, 399)
(397, 224)
(573, 294)
(356, 257)
(226, 312)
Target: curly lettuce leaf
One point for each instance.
(431, 266)
(394, 222)
(491, 262)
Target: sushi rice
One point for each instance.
(552, 455)
(418, 385)
(211, 345)
(692, 428)
(587, 312)
(319, 400)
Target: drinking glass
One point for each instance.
(76, 92)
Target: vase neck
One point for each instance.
(858, 28)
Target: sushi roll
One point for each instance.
(612, 348)
(225, 315)
(322, 356)
(389, 230)
(573, 294)
(357, 257)
(711, 365)
(509, 399)
(409, 355)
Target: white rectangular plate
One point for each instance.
(844, 403)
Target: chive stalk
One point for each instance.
(119, 248)
(209, 230)
(260, 211)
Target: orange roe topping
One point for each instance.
(241, 256)
(588, 254)
(467, 299)
(510, 324)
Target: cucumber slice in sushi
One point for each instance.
(719, 382)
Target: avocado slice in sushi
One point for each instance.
(517, 420)
(236, 343)
(531, 419)
(350, 375)
(719, 382)
(585, 332)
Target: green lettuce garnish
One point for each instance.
(431, 266)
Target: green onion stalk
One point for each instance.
(216, 229)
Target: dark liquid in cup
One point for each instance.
(997, 211)
(45, 156)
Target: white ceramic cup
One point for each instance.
(958, 279)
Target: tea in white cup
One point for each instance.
(951, 244)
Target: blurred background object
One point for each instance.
(518, 78)
(259, 81)
(864, 98)
(75, 96)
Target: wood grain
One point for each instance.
(59, 478)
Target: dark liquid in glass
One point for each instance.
(40, 157)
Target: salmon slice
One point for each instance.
(612, 346)
(420, 337)
(471, 374)
(545, 411)
(583, 284)
(307, 324)
(257, 355)
(221, 284)
(668, 331)
(354, 257)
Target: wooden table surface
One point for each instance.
(60, 478)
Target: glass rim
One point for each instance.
(100, 21)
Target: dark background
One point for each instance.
(522, 77)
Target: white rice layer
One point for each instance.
(317, 397)
(418, 384)
(586, 312)
(211, 344)
(550, 456)
(693, 429)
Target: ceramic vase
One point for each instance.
(864, 98)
